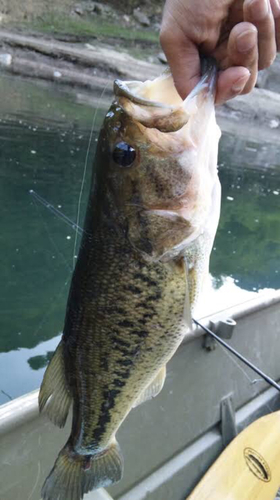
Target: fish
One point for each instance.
(151, 219)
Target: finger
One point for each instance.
(275, 7)
(183, 58)
(231, 83)
(243, 51)
(259, 13)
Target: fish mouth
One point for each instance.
(150, 93)
(157, 104)
(161, 92)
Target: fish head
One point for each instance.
(161, 157)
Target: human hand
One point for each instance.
(243, 36)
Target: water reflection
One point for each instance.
(247, 247)
(43, 148)
(17, 375)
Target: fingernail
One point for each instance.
(246, 41)
(259, 9)
(239, 85)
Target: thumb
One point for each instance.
(183, 58)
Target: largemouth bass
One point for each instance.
(151, 221)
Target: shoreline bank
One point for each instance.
(92, 67)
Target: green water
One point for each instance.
(44, 136)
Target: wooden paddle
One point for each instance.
(249, 468)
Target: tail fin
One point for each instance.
(73, 475)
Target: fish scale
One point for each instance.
(149, 229)
(138, 291)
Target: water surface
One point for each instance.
(44, 136)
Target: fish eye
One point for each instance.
(124, 154)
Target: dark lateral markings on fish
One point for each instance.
(149, 228)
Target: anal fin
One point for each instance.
(54, 392)
(153, 388)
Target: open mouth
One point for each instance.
(158, 93)
(157, 104)
(161, 91)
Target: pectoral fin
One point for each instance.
(153, 388)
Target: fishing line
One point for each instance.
(56, 212)
(6, 394)
(239, 365)
(268, 379)
(85, 170)
(51, 238)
